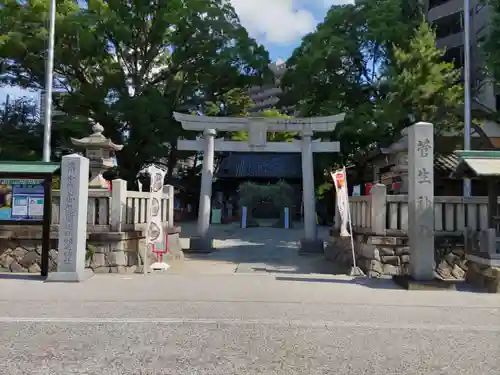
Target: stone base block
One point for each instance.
(70, 277)
(159, 266)
(338, 249)
(409, 283)
(203, 245)
(356, 272)
(316, 246)
(484, 277)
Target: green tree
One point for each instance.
(20, 131)
(491, 44)
(271, 136)
(422, 85)
(130, 65)
(377, 62)
(343, 67)
(234, 103)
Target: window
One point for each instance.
(436, 3)
(448, 25)
(456, 56)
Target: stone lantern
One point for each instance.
(399, 152)
(100, 151)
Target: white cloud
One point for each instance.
(274, 21)
(280, 21)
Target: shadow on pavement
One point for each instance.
(17, 276)
(261, 249)
(366, 282)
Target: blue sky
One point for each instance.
(277, 24)
(280, 24)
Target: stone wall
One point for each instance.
(451, 262)
(382, 257)
(385, 257)
(484, 277)
(377, 256)
(119, 252)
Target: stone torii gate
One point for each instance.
(257, 129)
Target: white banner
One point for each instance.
(154, 235)
(340, 180)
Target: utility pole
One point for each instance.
(49, 83)
(467, 89)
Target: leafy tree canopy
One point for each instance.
(377, 62)
(129, 65)
(491, 45)
(271, 136)
(20, 131)
(420, 84)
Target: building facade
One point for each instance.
(267, 96)
(447, 17)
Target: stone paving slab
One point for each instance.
(268, 250)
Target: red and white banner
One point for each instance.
(340, 180)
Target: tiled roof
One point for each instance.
(260, 165)
(446, 163)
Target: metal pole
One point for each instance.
(49, 70)
(467, 89)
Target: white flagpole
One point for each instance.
(49, 83)
(355, 271)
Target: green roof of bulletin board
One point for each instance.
(474, 164)
(28, 167)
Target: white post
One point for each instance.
(49, 83)
(467, 89)
(118, 205)
(309, 196)
(421, 200)
(309, 244)
(287, 218)
(206, 183)
(169, 191)
(73, 221)
(243, 217)
(378, 209)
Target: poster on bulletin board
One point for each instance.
(21, 199)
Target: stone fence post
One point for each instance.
(378, 209)
(118, 205)
(169, 191)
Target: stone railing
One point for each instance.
(387, 215)
(119, 210)
(116, 223)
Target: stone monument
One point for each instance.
(421, 200)
(73, 219)
(100, 151)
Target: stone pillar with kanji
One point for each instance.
(421, 200)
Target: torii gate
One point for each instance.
(257, 142)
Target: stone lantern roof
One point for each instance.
(97, 140)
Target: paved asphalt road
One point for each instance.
(253, 307)
(234, 323)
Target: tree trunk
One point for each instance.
(172, 161)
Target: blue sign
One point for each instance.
(21, 199)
